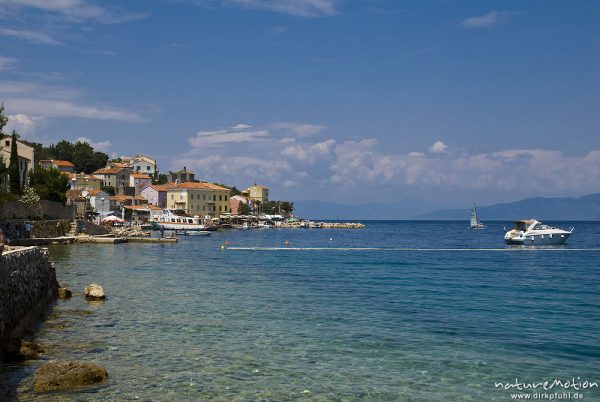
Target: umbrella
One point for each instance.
(112, 219)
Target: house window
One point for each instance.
(147, 167)
(225, 198)
(214, 197)
(220, 198)
(7, 143)
(220, 208)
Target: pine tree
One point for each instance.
(13, 166)
(3, 121)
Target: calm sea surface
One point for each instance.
(189, 321)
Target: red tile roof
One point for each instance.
(56, 162)
(140, 176)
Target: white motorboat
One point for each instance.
(170, 221)
(532, 232)
(475, 224)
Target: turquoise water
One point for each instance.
(190, 321)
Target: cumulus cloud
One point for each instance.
(274, 158)
(488, 20)
(23, 124)
(438, 147)
(98, 146)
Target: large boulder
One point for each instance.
(94, 292)
(61, 375)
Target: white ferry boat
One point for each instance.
(532, 232)
(168, 220)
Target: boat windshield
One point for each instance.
(520, 226)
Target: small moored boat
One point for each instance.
(170, 221)
(532, 232)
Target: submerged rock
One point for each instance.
(64, 293)
(94, 292)
(30, 350)
(60, 375)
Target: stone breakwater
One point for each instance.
(27, 285)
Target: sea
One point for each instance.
(397, 311)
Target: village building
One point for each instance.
(235, 202)
(199, 198)
(63, 166)
(139, 181)
(182, 176)
(142, 164)
(116, 177)
(26, 159)
(82, 181)
(99, 201)
(156, 194)
(257, 193)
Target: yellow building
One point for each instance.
(258, 193)
(202, 199)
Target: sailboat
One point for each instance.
(475, 224)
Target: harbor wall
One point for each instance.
(43, 209)
(27, 285)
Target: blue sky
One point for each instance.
(348, 101)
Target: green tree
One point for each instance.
(243, 209)
(13, 166)
(162, 179)
(86, 159)
(110, 190)
(49, 184)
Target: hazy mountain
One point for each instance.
(586, 207)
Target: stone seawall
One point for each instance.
(27, 285)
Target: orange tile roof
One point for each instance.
(201, 185)
(94, 192)
(107, 171)
(140, 176)
(58, 162)
(119, 164)
(160, 187)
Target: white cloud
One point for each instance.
(487, 20)
(38, 103)
(31, 36)
(71, 10)
(23, 124)
(241, 126)
(98, 146)
(302, 8)
(60, 109)
(309, 152)
(204, 139)
(438, 147)
(6, 63)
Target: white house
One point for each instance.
(139, 181)
(99, 200)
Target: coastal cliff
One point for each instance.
(27, 285)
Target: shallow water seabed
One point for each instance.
(190, 321)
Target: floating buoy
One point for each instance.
(287, 243)
(331, 239)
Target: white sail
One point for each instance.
(475, 224)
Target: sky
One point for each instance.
(348, 101)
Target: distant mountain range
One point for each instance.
(586, 207)
(582, 208)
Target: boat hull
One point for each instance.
(539, 240)
(178, 226)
